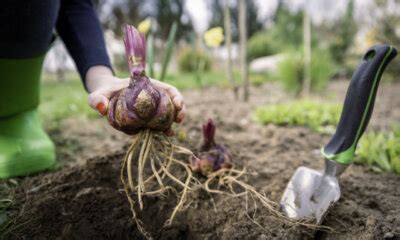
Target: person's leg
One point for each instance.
(26, 34)
(25, 148)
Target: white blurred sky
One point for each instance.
(320, 10)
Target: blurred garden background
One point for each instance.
(301, 45)
(301, 48)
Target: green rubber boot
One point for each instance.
(25, 147)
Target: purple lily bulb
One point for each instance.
(212, 156)
(140, 105)
(135, 48)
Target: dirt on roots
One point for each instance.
(84, 201)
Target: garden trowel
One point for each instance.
(310, 193)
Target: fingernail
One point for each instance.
(101, 108)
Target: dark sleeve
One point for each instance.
(80, 29)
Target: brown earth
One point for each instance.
(83, 201)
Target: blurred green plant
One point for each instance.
(285, 33)
(254, 22)
(338, 37)
(212, 39)
(258, 79)
(290, 70)
(60, 100)
(150, 54)
(344, 32)
(188, 80)
(260, 45)
(147, 27)
(380, 150)
(386, 30)
(190, 58)
(319, 116)
(287, 30)
(168, 50)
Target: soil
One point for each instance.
(83, 201)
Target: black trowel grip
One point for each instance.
(359, 103)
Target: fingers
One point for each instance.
(176, 98)
(172, 91)
(181, 115)
(178, 102)
(100, 99)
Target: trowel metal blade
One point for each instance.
(309, 194)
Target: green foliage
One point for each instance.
(187, 80)
(287, 30)
(260, 44)
(290, 70)
(347, 30)
(168, 50)
(336, 37)
(189, 60)
(63, 99)
(254, 24)
(150, 47)
(322, 69)
(257, 79)
(387, 32)
(318, 116)
(381, 150)
(167, 12)
(118, 14)
(339, 35)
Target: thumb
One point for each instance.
(99, 102)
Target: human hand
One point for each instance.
(103, 85)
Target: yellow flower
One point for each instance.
(144, 26)
(214, 37)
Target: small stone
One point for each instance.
(371, 221)
(388, 235)
(243, 122)
(262, 237)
